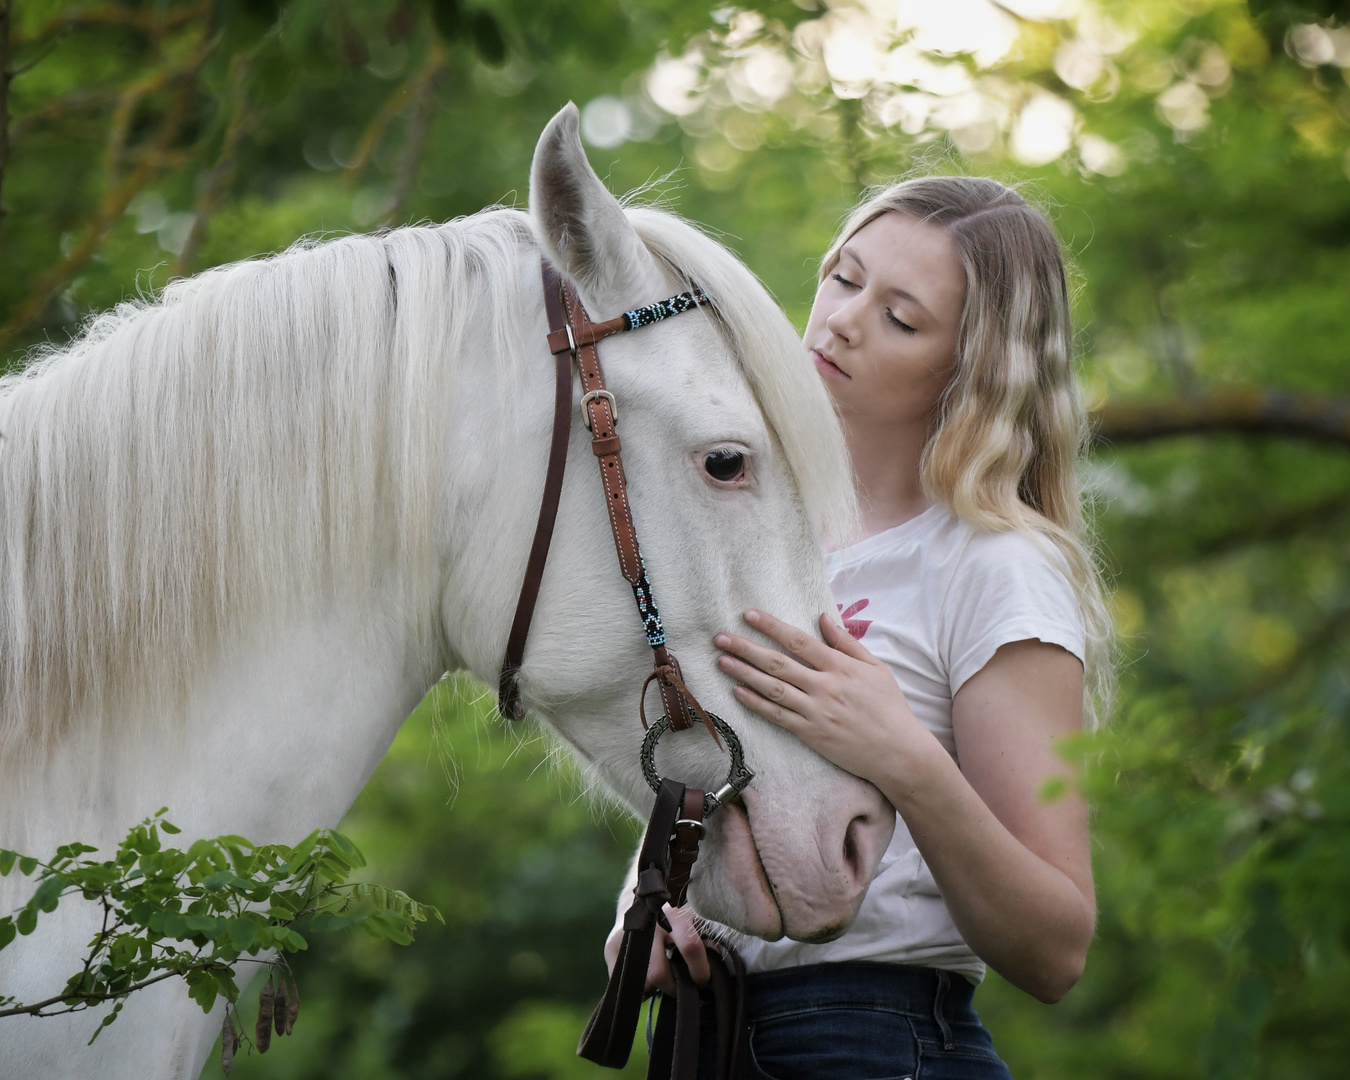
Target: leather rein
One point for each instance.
(670, 845)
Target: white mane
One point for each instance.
(267, 431)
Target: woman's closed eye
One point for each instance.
(890, 315)
(898, 322)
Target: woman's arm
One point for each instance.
(1014, 869)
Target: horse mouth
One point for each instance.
(765, 918)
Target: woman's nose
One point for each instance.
(844, 321)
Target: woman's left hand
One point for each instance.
(834, 695)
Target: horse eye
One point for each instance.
(724, 465)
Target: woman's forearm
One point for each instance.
(1026, 918)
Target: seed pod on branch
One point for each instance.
(292, 1005)
(229, 1042)
(279, 1005)
(262, 1032)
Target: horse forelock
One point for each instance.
(271, 430)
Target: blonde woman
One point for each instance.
(972, 620)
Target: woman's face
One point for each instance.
(884, 324)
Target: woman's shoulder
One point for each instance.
(1008, 586)
(985, 550)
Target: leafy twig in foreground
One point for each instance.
(194, 914)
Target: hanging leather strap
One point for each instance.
(677, 1041)
(508, 691)
(608, 1037)
(665, 862)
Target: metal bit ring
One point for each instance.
(738, 776)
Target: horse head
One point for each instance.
(728, 385)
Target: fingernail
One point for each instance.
(722, 641)
(739, 691)
(752, 616)
(726, 663)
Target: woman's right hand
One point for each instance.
(685, 937)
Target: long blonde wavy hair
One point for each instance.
(1011, 429)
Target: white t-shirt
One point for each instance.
(933, 599)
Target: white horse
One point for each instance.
(245, 527)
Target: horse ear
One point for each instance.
(581, 225)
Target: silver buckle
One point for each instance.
(596, 395)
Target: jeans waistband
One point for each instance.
(922, 991)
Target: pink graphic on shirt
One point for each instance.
(856, 627)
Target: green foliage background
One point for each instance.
(1210, 223)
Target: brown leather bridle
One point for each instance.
(670, 845)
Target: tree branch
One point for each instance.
(78, 101)
(410, 160)
(113, 206)
(85, 1001)
(1241, 412)
(152, 20)
(215, 180)
(375, 131)
(127, 101)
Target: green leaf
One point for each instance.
(243, 932)
(353, 854)
(325, 922)
(27, 864)
(48, 894)
(7, 859)
(300, 853)
(107, 1021)
(291, 939)
(387, 926)
(27, 921)
(170, 828)
(203, 989)
(70, 851)
(7, 931)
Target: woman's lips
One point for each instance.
(826, 366)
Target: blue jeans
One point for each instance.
(859, 1021)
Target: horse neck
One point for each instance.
(277, 737)
(282, 721)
